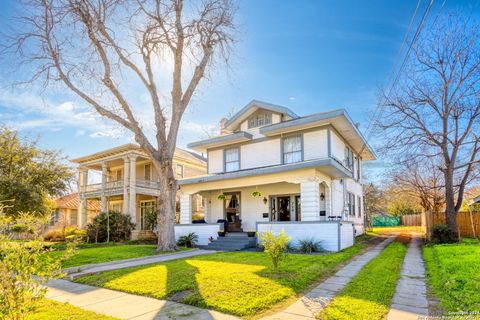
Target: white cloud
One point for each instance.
(29, 111)
(291, 98)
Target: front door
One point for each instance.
(232, 206)
(283, 209)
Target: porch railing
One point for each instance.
(119, 184)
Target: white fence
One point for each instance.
(332, 235)
(203, 230)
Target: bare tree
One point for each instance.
(422, 182)
(434, 111)
(101, 48)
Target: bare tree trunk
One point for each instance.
(450, 211)
(166, 206)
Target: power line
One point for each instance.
(379, 109)
(396, 61)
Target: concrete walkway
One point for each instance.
(313, 302)
(410, 299)
(125, 306)
(80, 271)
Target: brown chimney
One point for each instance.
(223, 131)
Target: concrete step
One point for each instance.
(233, 243)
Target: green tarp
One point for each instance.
(385, 221)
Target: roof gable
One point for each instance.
(253, 106)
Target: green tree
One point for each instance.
(29, 176)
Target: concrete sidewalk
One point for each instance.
(313, 302)
(125, 306)
(80, 271)
(410, 299)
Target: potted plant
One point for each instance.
(221, 233)
(221, 196)
(251, 233)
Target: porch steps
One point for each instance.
(232, 242)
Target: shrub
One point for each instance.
(54, 235)
(21, 228)
(442, 234)
(110, 226)
(24, 268)
(275, 246)
(309, 245)
(188, 241)
(65, 234)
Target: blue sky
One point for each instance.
(311, 56)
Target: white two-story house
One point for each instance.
(271, 169)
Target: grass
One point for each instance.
(369, 294)
(401, 229)
(107, 254)
(49, 309)
(239, 283)
(453, 273)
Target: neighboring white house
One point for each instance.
(271, 169)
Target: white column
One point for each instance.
(310, 200)
(328, 199)
(82, 212)
(132, 187)
(82, 201)
(207, 208)
(103, 198)
(126, 175)
(185, 209)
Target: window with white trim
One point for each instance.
(179, 170)
(359, 204)
(351, 204)
(349, 158)
(259, 119)
(292, 149)
(358, 169)
(232, 159)
(147, 172)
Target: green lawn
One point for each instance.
(240, 283)
(453, 273)
(49, 309)
(369, 294)
(106, 254)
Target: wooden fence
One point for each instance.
(468, 223)
(411, 220)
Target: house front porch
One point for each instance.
(307, 200)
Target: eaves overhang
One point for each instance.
(203, 145)
(328, 165)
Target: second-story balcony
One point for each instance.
(116, 187)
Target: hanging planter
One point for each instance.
(256, 194)
(221, 196)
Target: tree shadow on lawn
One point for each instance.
(244, 286)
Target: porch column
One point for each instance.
(133, 190)
(328, 199)
(82, 212)
(126, 175)
(185, 209)
(310, 203)
(103, 198)
(206, 207)
(82, 201)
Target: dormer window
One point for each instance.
(259, 119)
